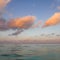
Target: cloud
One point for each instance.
(55, 5)
(3, 25)
(19, 24)
(58, 35)
(58, 7)
(54, 20)
(52, 33)
(3, 4)
(22, 23)
(3, 22)
(17, 32)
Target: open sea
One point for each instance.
(29, 51)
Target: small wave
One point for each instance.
(11, 55)
(5, 55)
(19, 59)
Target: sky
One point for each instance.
(29, 19)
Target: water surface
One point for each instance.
(29, 51)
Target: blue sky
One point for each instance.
(42, 9)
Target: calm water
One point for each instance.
(29, 52)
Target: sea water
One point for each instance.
(29, 51)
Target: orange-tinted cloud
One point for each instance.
(55, 19)
(19, 24)
(3, 3)
(22, 23)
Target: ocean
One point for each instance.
(29, 51)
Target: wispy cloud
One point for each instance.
(3, 4)
(17, 32)
(37, 24)
(58, 7)
(55, 5)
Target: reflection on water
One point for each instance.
(30, 52)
